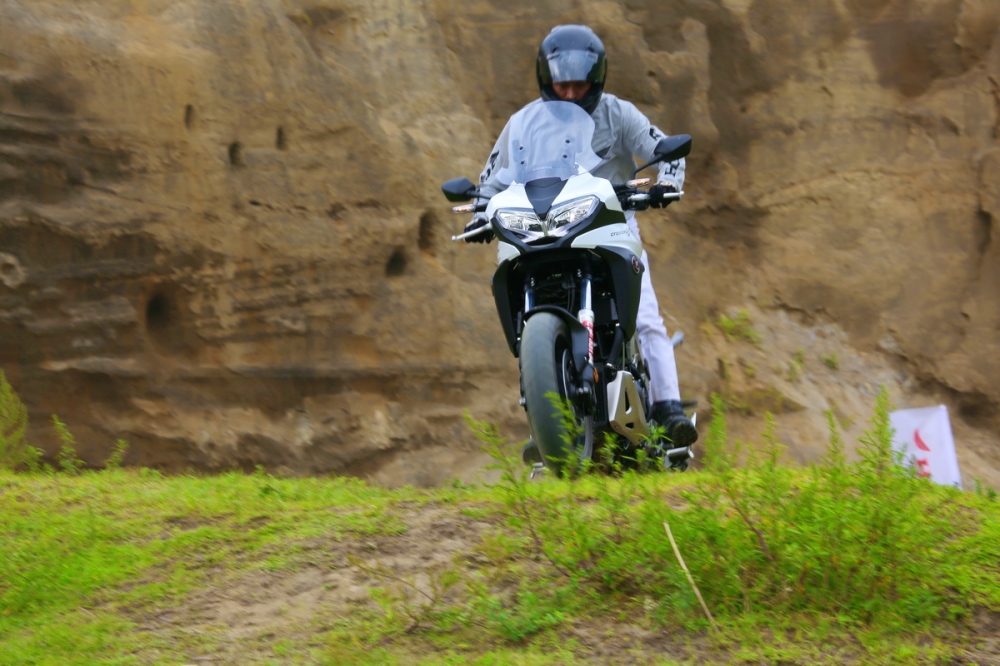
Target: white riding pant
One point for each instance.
(653, 339)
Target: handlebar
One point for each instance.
(474, 232)
(640, 200)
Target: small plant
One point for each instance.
(795, 367)
(114, 461)
(68, 459)
(14, 450)
(33, 460)
(522, 614)
(831, 361)
(739, 327)
(985, 491)
(408, 605)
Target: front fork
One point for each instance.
(586, 314)
(588, 373)
(588, 377)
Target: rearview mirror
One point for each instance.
(669, 149)
(673, 148)
(459, 189)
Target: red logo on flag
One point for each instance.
(920, 442)
(922, 463)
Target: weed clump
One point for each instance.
(864, 542)
(738, 327)
(797, 364)
(856, 539)
(114, 461)
(69, 460)
(17, 455)
(14, 449)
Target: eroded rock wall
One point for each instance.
(221, 235)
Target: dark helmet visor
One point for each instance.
(571, 65)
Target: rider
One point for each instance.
(572, 67)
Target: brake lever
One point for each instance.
(470, 234)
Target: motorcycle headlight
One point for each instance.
(520, 220)
(571, 212)
(556, 223)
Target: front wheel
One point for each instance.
(548, 371)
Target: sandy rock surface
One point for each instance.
(221, 234)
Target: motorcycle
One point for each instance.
(567, 288)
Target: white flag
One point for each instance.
(924, 437)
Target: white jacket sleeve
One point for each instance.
(489, 180)
(640, 137)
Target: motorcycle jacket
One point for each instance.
(620, 132)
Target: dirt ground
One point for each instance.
(242, 619)
(269, 617)
(245, 616)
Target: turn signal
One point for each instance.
(468, 208)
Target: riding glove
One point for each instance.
(656, 193)
(479, 220)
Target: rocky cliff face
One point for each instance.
(221, 235)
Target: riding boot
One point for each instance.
(671, 417)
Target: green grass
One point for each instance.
(739, 327)
(74, 550)
(847, 561)
(831, 361)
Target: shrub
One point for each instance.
(862, 541)
(14, 449)
(114, 461)
(856, 539)
(68, 459)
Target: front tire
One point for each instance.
(547, 368)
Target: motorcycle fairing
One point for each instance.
(543, 192)
(628, 284)
(612, 235)
(507, 313)
(603, 217)
(506, 251)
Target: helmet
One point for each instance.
(572, 53)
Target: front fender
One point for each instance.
(579, 335)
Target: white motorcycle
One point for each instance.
(567, 287)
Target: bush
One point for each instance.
(865, 541)
(69, 461)
(857, 539)
(14, 449)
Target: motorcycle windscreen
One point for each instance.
(549, 140)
